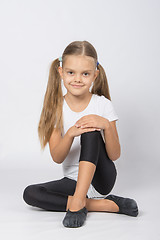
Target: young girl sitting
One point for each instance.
(80, 128)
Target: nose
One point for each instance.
(77, 78)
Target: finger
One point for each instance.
(89, 129)
(79, 125)
(83, 124)
(87, 125)
(93, 128)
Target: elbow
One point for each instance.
(55, 159)
(116, 156)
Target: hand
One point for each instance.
(92, 121)
(75, 131)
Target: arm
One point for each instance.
(111, 140)
(61, 150)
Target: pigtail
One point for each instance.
(51, 115)
(100, 86)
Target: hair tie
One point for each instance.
(97, 63)
(60, 59)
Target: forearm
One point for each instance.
(111, 142)
(62, 150)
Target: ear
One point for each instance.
(96, 74)
(60, 71)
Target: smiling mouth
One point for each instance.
(77, 85)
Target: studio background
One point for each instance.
(126, 35)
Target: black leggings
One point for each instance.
(53, 195)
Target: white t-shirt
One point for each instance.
(98, 105)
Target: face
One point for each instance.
(78, 73)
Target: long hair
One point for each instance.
(52, 116)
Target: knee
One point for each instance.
(90, 146)
(29, 194)
(91, 136)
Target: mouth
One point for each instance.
(77, 86)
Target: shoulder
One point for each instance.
(102, 100)
(104, 105)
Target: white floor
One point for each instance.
(21, 221)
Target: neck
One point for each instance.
(78, 100)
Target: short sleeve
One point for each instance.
(109, 111)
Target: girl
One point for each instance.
(80, 128)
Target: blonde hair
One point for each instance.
(52, 115)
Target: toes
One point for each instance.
(75, 219)
(131, 207)
(72, 222)
(131, 203)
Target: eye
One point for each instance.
(86, 73)
(70, 73)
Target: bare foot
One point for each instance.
(75, 203)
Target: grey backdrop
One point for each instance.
(126, 35)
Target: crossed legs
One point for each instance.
(95, 167)
(64, 194)
(79, 200)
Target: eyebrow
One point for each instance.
(73, 70)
